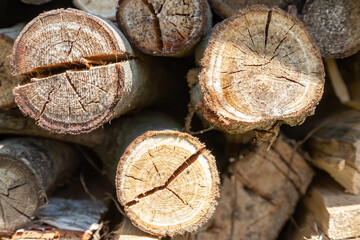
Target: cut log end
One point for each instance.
(164, 28)
(104, 8)
(167, 183)
(260, 67)
(79, 74)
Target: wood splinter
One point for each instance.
(164, 28)
(257, 70)
(82, 76)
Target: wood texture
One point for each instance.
(7, 81)
(29, 168)
(335, 149)
(260, 195)
(164, 28)
(334, 25)
(82, 76)
(103, 8)
(257, 70)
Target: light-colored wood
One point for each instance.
(258, 69)
(336, 213)
(127, 231)
(164, 28)
(334, 25)
(260, 195)
(335, 148)
(29, 168)
(85, 74)
(7, 81)
(103, 8)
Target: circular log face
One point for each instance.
(77, 63)
(261, 66)
(159, 27)
(103, 8)
(167, 183)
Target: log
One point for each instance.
(7, 81)
(160, 28)
(29, 168)
(104, 8)
(36, 2)
(257, 70)
(334, 26)
(335, 146)
(260, 195)
(227, 8)
(68, 92)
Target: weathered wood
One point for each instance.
(226, 8)
(164, 28)
(257, 70)
(260, 195)
(334, 25)
(83, 75)
(335, 148)
(29, 168)
(103, 8)
(7, 81)
(36, 2)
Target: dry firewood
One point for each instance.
(83, 72)
(335, 212)
(259, 69)
(261, 194)
(7, 81)
(36, 2)
(334, 25)
(164, 28)
(335, 149)
(103, 8)
(29, 168)
(226, 8)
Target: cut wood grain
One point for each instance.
(103, 8)
(335, 148)
(82, 76)
(29, 168)
(257, 70)
(334, 25)
(7, 81)
(260, 195)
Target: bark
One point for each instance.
(29, 168)
(36, 2)
(335, 149)
(104, 8)
(334, 26)
(164, 28)
(7, 81)
(257, 70)
(260, 195)
(83, 75)
(226, 8)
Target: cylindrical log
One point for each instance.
(29, 167)
(334, 25)
(83, 72)
(36, 2)
(258, 69)
(103, 8)
(164, 28)
(226, 8)
(7, 81)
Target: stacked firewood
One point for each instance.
(169, 119)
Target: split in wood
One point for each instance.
(82, 76)
(258, 69)
(164, 28)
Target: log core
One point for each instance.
(166, 28)
(167, 183)
(259, 68)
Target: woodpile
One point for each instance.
(180, 119)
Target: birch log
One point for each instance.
(334, 25)
(82, 76)
(7, 81)
(103, 8)
(164, 28)
(257, 70)
(29, 168)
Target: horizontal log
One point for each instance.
(104, 8)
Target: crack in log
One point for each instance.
(267, 27)
(46, 102)
(282, 40)
(72, 43)
(76, 92)
(138, 179)
(156, 168)
(156, 22)
(16, 209)
(182, 200)
(176, 173)
(290, 80)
